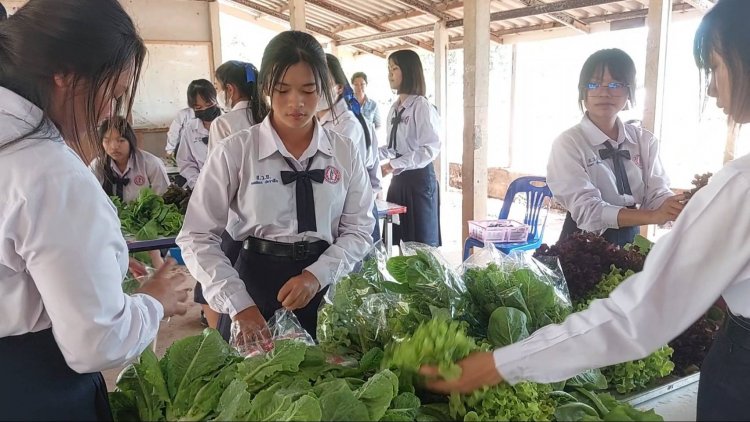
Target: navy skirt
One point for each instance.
(37, 383)
(724, 387)
(264, 275)
(418, 191)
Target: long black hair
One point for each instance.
(725, 31)
(244, 78)
(287, 49)
(3, 12)
(126, 131)
(92, 41)
(339, 77)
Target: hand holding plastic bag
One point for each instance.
(252, 336)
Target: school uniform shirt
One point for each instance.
(193, 151)
(144, 170)
(62, 254)
(243, 176)
(228, 123)
(585, 183)
(343, 121)
(372, 162)
(175, 129)
(417, 139)
(704, 256)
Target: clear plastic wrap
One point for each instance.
(284, 325)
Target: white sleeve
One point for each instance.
(186, 162)
(571, 186)
(157, 175)
(655, 178)
(355, 228)
(200, 237)
(217, 132)
(175, 132)
(73, 252)
(679, 282)
(373, 163)
(428, 139)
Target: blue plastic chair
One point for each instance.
(536, 190)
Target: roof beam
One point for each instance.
(561, 17)
(701, 5)
(416, 4)
(314, 28)
(523, 12)
(633, 14)
(328, 6)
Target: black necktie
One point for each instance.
(304, 193)
(394, 130)
(120, 183)
(205, 140)
(621, 176)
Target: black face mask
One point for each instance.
(208, 114)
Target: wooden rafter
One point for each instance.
(523, 12)
(561, 17)
(633, 14)
(328, 6)
(418, 5)
(314, 28)
(702, 5)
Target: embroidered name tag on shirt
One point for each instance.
(637, 161)
(265, 179)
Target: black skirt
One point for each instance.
(37, 384)
(724, 387)
(418, 191)
(264, 275)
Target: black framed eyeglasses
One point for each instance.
(612, 85)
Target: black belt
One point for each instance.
(738, 330)
(298, 251)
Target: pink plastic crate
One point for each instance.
(498, 231)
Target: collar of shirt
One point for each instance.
(241, 105)
(19, 116)
(335, 113)
(408, 102)
(131, 166)
(197, 126)
(269, 142)
(596, 137)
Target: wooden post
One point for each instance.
(214, 11)
(659, 16)
(476, 99)
(297, 14)
(441, 101)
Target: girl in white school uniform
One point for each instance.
(238, 86)
(191, 155)
(176, 127)
(126, 169)
(345, 118)
(63, 315)
(296, 194)
(607, 173)
(413, 145)
(701, 259)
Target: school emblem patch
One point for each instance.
(139, 180)
(332, 175)
(637, 161)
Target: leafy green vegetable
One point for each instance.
(130, 285)
(438, 342)
(147, 217)
(377, 393)
(507, 326)
(142, 383)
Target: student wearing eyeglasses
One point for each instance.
(607, 173)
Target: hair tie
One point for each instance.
(250, 73)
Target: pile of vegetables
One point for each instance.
(148, 217)
(386, 320)
(178, 196)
